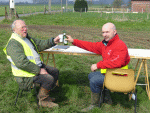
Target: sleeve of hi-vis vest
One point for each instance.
(16, 52)
(43, 44)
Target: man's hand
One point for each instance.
(43, 71)
(94, 67)
(56, 40)
(69, 38)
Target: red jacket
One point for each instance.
(115, 54)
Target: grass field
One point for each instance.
(31, 8)
(74, 92)
(24, 9)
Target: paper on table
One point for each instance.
(61, 47)
(139, 52)
(57, 48)
(73, 49)
(77, 50)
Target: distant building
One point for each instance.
(140, 5)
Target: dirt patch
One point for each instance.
(132, 39)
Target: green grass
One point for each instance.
(74, 91)
(39, 7)
(23, 9)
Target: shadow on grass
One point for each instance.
(68, 78)
(141, 80)
(74, 77)
(123, 100)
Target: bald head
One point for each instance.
(19, 27)
(110, 26)
(109, 31)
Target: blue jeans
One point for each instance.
(96, 80)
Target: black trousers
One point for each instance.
(47, 81)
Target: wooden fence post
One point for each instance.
(101, 13)
(6, 14)
(15, 13)
(80, 12)
(11, 13)
(30, 11)
(35, 9)
(147, 15)
(23, 12)
(142, 10)
(44, 9)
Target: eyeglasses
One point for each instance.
(24, 27)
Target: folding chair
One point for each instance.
(119, 80)
(25, 85)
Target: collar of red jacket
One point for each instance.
(116, 37)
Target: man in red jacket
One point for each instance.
(114, 53)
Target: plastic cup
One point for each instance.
(61, 37)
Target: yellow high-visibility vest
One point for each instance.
(104, 70)
(28, 52)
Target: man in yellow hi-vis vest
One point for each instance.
(22, 51)
(114, 53)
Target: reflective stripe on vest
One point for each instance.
(36, 48)
(28, 52)
(104, 70)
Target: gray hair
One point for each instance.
(14, 24)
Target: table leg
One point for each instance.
(139, 71)
(136, 65)
(42, 57)
(47, 58)
(53, 60)
(146, 78)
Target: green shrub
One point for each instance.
(80, 6)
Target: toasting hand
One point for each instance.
(56, 40)
(69, 38)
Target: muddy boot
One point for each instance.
(47, 103)
(43, 93)
(107, 98)
(94, 102)
(45, 100)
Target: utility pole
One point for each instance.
(61, 6)
(49, 4)
(66, 5)
(11, 8)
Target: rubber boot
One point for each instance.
(94, 102)
(45, 100)
(107, 98)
